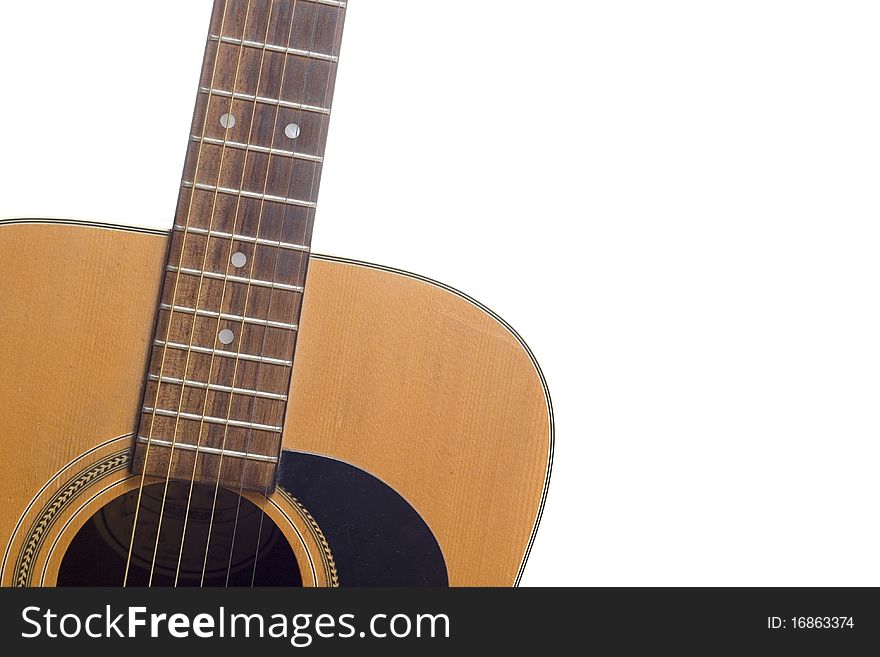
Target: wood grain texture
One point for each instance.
(435, 397)
(400, 377)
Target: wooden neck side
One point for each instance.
(225, 339)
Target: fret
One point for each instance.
(222, 354)
(213, 420)
(246, 194)
(255, 262)
(244, 392)
(259, 125)
(289, 22)
(229, 317)
(232, 373)
(274, 48)
(260, 241)
(258, 72)
(205, 332)
(212, 417)
(237, 95)
(196, 432)
(289, 224)
(277, 152)
(237, 298)
(225, 453)
(217, 276)
(194, 402)
(258, 173)
(232, 16)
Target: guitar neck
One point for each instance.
(226, 333)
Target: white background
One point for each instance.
(675, 203)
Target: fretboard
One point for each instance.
(225, 339)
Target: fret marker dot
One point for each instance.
(227, 336)
(292, 131)
(227, 121)
(239, 260)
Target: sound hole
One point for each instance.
(230, 543)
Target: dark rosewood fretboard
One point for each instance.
(221, 363)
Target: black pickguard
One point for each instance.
(376, 537)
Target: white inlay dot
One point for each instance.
(227, 121)
(239, 260)
(226, 336)
(292, 131)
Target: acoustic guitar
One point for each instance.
(191, 409)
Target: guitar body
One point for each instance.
(417, 442)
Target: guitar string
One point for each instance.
(238, 214)
(293, 164)
(189, 350)
(171, 317)
(310, 216)
(227, 260)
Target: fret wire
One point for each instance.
(273, 48)
(246, 194)
(237, 95)
(241, 424)
(229, 317)
(216, 387)
(208, 351)
(216, 276)
(258, 149)
(207, 450)
(235, 237)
